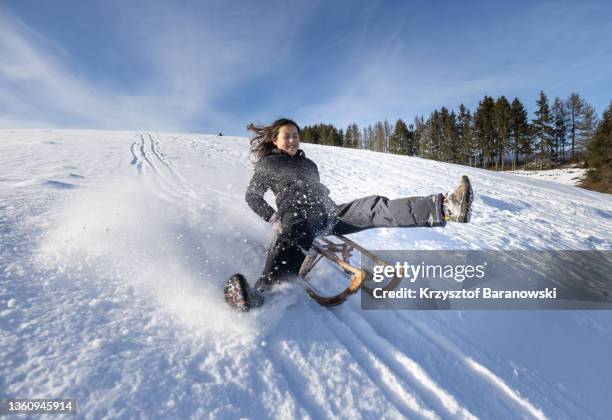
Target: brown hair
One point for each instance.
(262, 142)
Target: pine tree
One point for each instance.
(327, 134)
(352, 136)
(399, 139)
(357, 134)
(348, 142)
(387, 128)
(451, 135)
(428, 139)
(320, 136)
(575, 108)
(435, 136)
(370, 136)
(379, 137)
(503, 117)
(465, 136)
(543, 131)
(419, 136)
(331, 135)
(340, 138)
(442, 135)
(484, 127)
(587, 126)
(599, 155)
(520, 140)
(309, 135)
(560, 130)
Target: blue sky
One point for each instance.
(210, 66)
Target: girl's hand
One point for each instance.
(277, 226)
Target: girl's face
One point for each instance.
(288, 139)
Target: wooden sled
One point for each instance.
(339, 252)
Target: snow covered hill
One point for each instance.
(115, 246)
(568, 176)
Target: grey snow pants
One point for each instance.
(302, 226)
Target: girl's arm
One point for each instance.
(260, 183)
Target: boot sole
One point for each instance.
(466, 203)
(236, 293)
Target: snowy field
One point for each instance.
(567, 176)
(115, 246)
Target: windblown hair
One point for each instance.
(261, 143)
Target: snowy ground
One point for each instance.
(566, 176)
(115, 246)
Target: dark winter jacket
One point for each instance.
(294, 180)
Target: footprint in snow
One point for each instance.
(60, 185)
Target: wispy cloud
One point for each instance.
(395, 84)
(37, 85)
(217, 65)
(191, 60)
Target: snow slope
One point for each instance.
(568, 176)
(115, 246)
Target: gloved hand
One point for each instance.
(277, 226)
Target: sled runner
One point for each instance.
(339, 252)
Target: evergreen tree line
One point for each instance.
(599, 156)
(497, 135)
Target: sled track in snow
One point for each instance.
(135, 160)
(286, 367)
(397, 374)
(402, 396)
(402, 365)
(147, 150)
(401, 380)
(304, 373)
(147, 157)
(180, 180)
(143, 163)
(479, 372)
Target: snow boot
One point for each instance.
(239, 295)
(457, 206)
